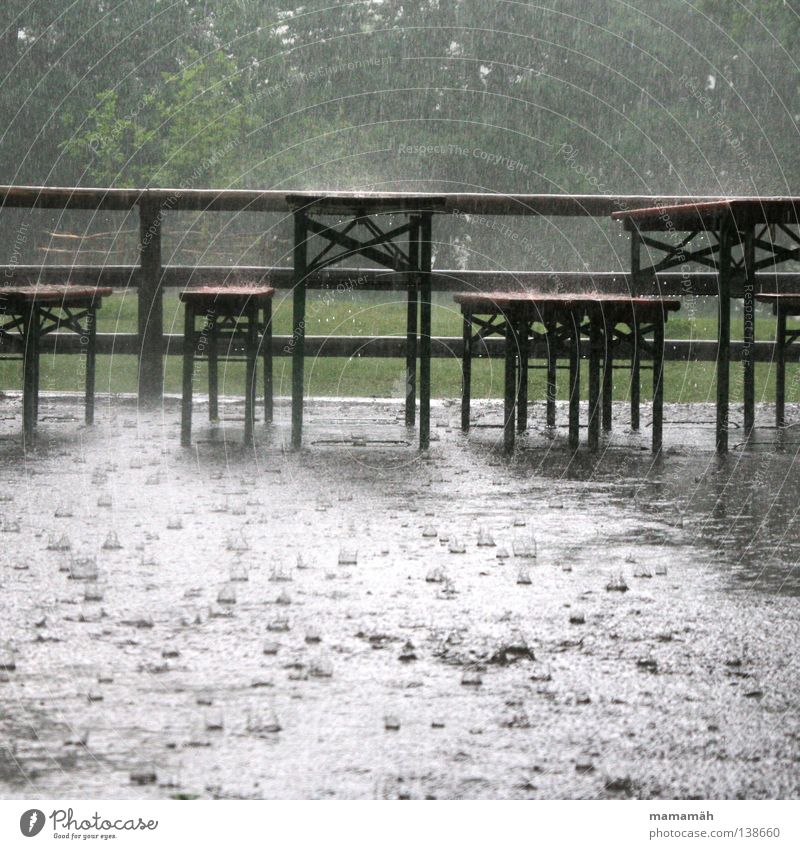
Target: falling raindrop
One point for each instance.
(524, 546)
(137, 620)
(77, 737)
(214, 721)
(471, 678)
(143, 776)
(58, 543)
(112, 541)
(280, 573)
(238, 573)
(83, 569)
(92, 593)
(407, 653)
(227, 595)
(8, 661)
(348, 557)
(263, 721)
(617, 584)
(321, 667)
(237, 543)
(485, 538)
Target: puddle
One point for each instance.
(359, 620)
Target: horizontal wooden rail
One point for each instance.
(669, 284)
(382, 347)
(254, 200)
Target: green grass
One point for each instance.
(384, 315)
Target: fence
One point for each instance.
(150, 277)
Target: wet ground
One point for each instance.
(360, 620)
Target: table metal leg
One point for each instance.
(749, 335)
(658, 383)
(523, 329)
(412, 309)
(210, 328)
(188, 368)
(37, 364)
(425, 333)
(724, 339)
(30, 387)
(636, 355)
(608, 375)
(510, 394)
(780, 369)
(575, 381)
(91, 357)
(552, 361)
(298, 325)
(251, 358)
(636, 376)
(266, 350)
(595, 350)
(466, 369)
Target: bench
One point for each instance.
(555, 323)
(31, 313)
(240, 316)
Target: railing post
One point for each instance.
(724, 334)
(298, 341)
(151, 308)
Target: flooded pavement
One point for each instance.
(359, 620)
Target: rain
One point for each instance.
(372, 614)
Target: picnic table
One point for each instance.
(27, 313)
(736, 237)
(392, 231)
(607, 320)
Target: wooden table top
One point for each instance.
(508, 300)
(788, 303)
(708, 215)
(227, 294)
(56, 295)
